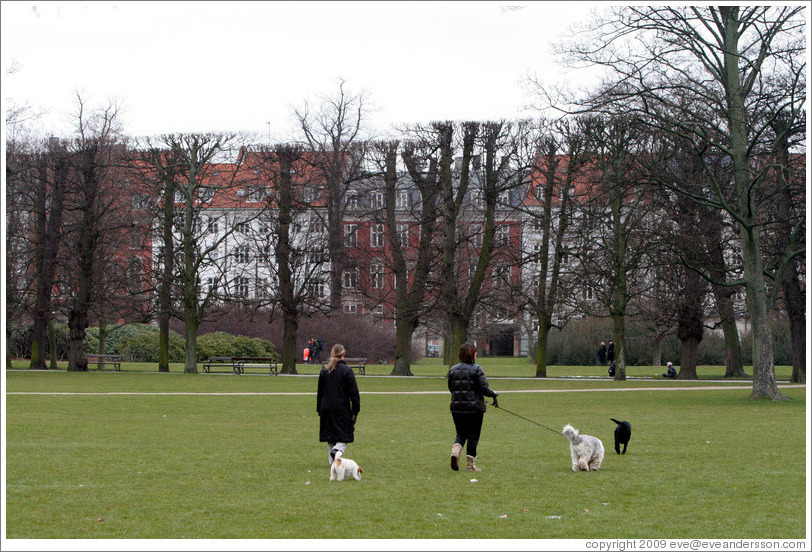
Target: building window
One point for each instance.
(537, 224)
(376, 276)
(376, 235)
(504, 198)
(317, 254)
(478, 199)
(376, 200)
(402, 200)
(255, 193)
(241, 287)
(205, 194)
(502, 235)
(317, 225)
(242, 254)
(536, 257)
(350, 278)
(262, 288)
(476, 235)
(140, 202)
(403, 234)
(350, 308)
(211, 286)
(352, 202)
(350, 235)
(587, 293)
(243, 227)
(316, 289)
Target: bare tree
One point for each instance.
(562, 156)
(696, 61)
(332, 130)
(91, 205)
(195, 157)
(613, 237)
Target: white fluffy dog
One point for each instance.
(342, 467)
(586, 451)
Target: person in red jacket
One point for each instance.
(468, 386)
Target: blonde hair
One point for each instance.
(335, 355)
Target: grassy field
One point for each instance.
(142, 455)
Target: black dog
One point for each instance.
(623, 432)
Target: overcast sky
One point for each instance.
(236, 66)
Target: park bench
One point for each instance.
(239, 364)
(101, 360)
(359, 364)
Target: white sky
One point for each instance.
(235, 66)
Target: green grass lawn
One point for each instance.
(179, 461)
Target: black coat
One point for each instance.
(468, 386)
(337, 403)
(602, 353)
(610, 352)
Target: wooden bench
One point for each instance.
(238, 364)
(101, 360)
(255, 362)
(359, 364)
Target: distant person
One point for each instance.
(602, 354)
(338, 403)
(468, 386)
(315, 350)
(306, 355)
(671, 372)
(610, 352)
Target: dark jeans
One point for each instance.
(468, 426)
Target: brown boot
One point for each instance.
(455, 456)
(471, 466)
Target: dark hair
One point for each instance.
(467, 353)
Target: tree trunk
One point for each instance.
(657, 350)
(190, 337)
(77, 322)
(619, 323)
(734, 367)
(102, 343)
(403, 347)
(687, 358)
(541, 348)
(794, 298)
(165, 285)
(290, 327)
(163, 343)
(764, 384)
(52, 345)
(49, 231)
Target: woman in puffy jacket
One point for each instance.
(468, 386)
(338, 403)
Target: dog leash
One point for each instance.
(496, 405)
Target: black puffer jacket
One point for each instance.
(468, 386)
(338, 403)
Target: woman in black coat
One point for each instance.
(468, 386)
(337, 402)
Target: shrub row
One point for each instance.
(139, 343)
(577, 345)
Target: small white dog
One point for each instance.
(342, 467)
(586, 451)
